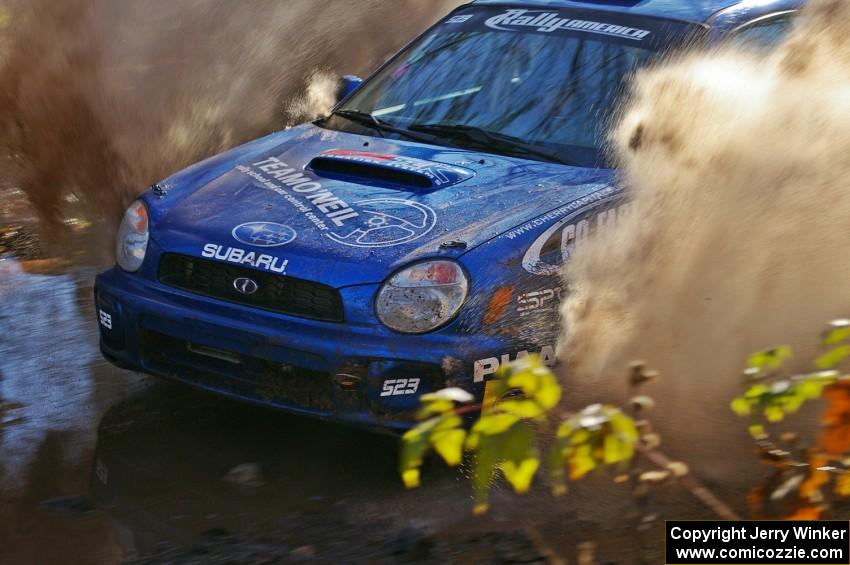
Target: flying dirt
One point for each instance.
(99, 99)
(737, 238)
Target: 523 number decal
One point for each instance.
(400, 387)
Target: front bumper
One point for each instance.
(356, 372)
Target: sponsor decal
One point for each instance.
(576, 206)
(483, 368)
(377, 222)
(538, 301)
(263, 234)
(244, 257)
(385, 222)
(105, 319)
(305, 193)
(400, 387)
(246, 286)
(548, 22)
(551, 249)
(459, 19)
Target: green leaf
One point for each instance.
(756, 391)
(536, 382)
(485, 463)
(557, 464)
(757, 431)
(770, 359)
(494, 424)
(414, 447)
(840, 332)
(774, 414)
(521, 459)
(449, 445)
(741, 406)
(810, 389)
(833, 357)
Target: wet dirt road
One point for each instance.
(105, 466)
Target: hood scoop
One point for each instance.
(388, 171)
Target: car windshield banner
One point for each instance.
(649, 33)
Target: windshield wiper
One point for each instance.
(362, 118)
(373, 122)
(486, 139)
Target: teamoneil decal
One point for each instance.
(276, 175)
(372, 223)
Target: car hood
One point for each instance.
(348, 209)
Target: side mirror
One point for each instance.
(347, 85)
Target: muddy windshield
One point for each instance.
(534, 83)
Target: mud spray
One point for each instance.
(739, 235)
(100, 98)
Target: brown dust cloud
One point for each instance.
(738, 237)
(101, 98)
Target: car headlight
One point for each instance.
(422, 297)
(133, 236)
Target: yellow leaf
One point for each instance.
(581, 462)
(774, 414)
(840, 332)
(522, 408)
(770, 359)
(449, 444)
(756, 391)
(740, 406)
(833, 357)
(493, 424)
(480, 508)
(616, 450)
(757, 431)
(520, 476)
(623, 425)
(842, 485)
(410, 478)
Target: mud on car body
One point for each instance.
(411, 240)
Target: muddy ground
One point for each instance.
(101, 465)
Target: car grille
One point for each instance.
(277, 293)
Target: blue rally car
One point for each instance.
(411, 240)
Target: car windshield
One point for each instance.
(540, 84)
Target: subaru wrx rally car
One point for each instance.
(412, 239)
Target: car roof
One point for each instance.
(699, 11)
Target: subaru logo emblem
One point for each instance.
(263, 234)
(245, 286)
